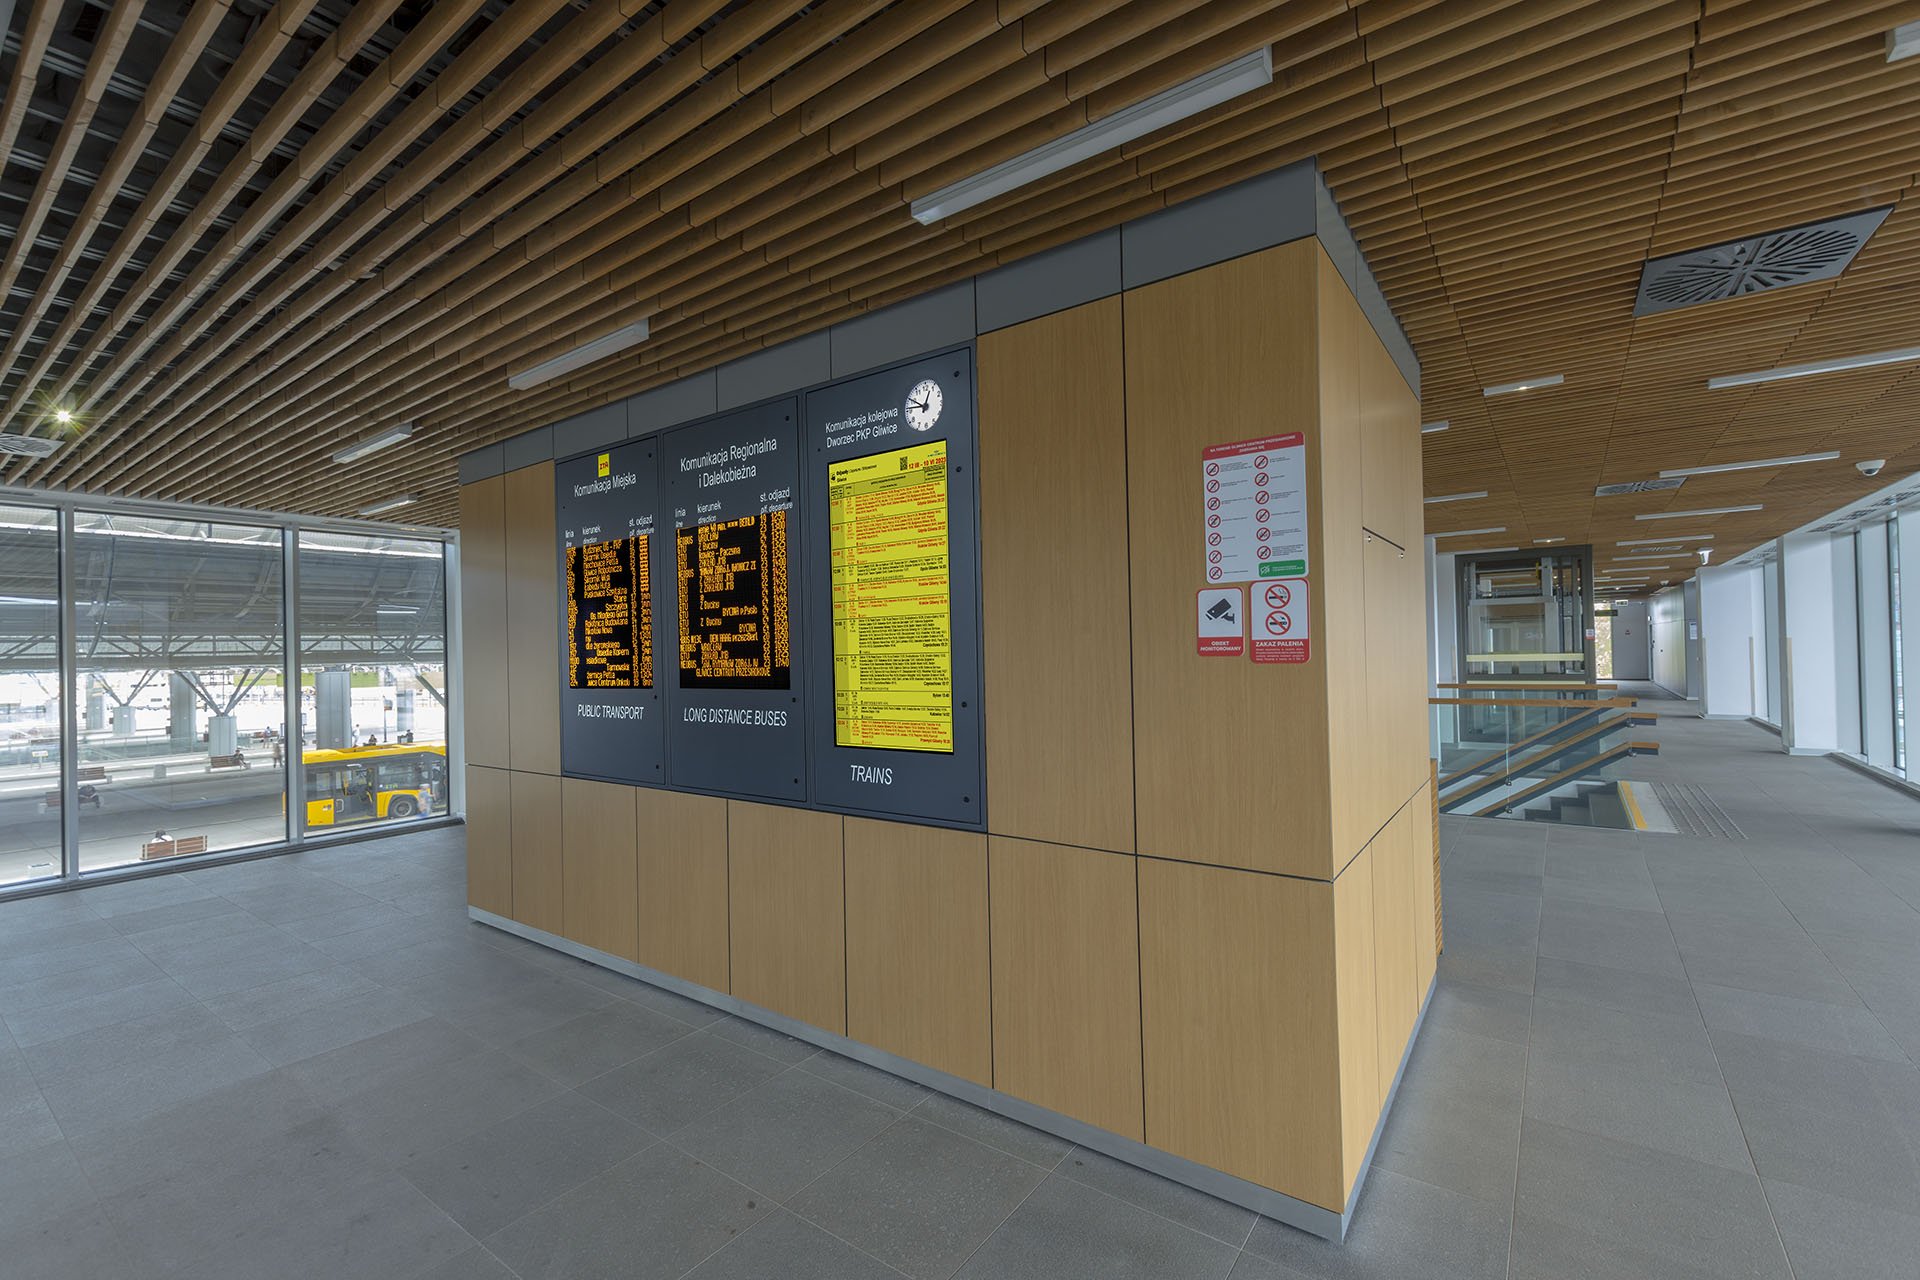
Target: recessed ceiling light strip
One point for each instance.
(1526, 384)
(1808, 370)
(1757, 464)
(1703, 511)
(1456, 497)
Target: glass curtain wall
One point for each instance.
(30, 701)
(179, 635)
(373, 679)
(146, 660)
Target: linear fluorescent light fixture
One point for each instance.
(1468, 533)
(1434, 428)
(1716, 468)
(391, 504)
(374, 443)
(1528, 384)
(1660, 542)
(1903, 41)
(1660, 559)
(599, 349)
(1544, 541)
(1785, 372)
(1703, 511)
(1222, 84)
(1456, 497)
(1483, 551)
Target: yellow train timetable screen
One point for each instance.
(892, 607)
(609, 615)
(733, 604)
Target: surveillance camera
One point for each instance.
(1871, 466)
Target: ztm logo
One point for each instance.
(603, 465)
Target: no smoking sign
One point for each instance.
(1281, 626)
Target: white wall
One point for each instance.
(1667, 622)
(1810, 720)
(1732, 642)
(1631, 652)
(1875, 641)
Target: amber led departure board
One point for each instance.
(609, 615)
(733, 597)
(892, 608)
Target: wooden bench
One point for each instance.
(175, 848)
(234, 761)
(52, 800)
(90, 773)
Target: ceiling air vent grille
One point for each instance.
(1818, 251)
(27, 446)
(1638, 486)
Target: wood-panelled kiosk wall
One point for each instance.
(1202, 916)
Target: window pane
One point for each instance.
(373, 682)
(29, 695)
(178, 633)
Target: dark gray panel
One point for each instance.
(1373, 305)
(1274, 208)
(943, 318)
(743, 736)
(1335, 236)
(776, 371)
(1050, 281)
(481, 464)
(614, 732)
(881, 415)
(590, 430)
(528, 448)
(677, 402)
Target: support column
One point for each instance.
(183, 707)
(1809, 688)
(333, 708)
(1733, 642)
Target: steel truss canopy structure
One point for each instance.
(152, 599)
(240, 239)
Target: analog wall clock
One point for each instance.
(923, 405)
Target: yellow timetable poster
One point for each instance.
(892, 621)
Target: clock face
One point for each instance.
(923, 405)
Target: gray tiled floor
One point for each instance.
(1648, 1056)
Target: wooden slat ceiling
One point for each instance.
(235, 237)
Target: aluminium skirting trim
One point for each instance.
(1312, 1218)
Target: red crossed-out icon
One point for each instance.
(1213, 468)
(1214, 572)
(1261, 478)
(1213, 539)
(1262, 515)
(1278, 623)
(1277, 595)
(1214, 556)
(1213, 504)
(1265, 533)
(1213, 522)
(1260, 461)
(1213, 486)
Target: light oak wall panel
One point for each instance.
(538, 862)
(1053, 533)
(1394, 924)
(1239, 1023)
(787, 895)
(600, 866)
(682, 883)
(1214, 356)
(918, 979)
(1426, 933)
(1356, 805)
(1358, 1017)
(483, 614)
(489, 841)
(1066, 981)
(532, 620)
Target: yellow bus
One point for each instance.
(369, 784)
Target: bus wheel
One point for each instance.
(403, 807)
